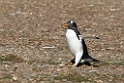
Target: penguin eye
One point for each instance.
(71, 22)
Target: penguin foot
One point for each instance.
(74, 65)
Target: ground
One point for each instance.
(33, 46)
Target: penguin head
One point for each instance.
(70, 24)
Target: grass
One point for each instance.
(41, 78)
(50, 62)
(112, 63)
(6, 77)
(74, 77)
(3, 58)
(11, 58)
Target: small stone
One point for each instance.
(110, 80)
(31, 79)
(46, 79)
(12, 14)
(99, 81)
(64, 80)
(61, 65)
(18, 12)
(14, 78)
(60, 59)
(42, 82)
(58, 69)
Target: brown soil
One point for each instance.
(33, 47)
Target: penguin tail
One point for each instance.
(90, 59)
(95, 60)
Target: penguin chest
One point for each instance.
(74, 44)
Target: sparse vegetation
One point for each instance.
(33, 46)
(73, 78)
(6, 77)
(3, 58)
(11, 58)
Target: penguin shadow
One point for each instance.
(84, 63)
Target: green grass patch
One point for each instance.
(3, 58)
(43, 62)
(11, 58)
(74, 77)
(113, 63)
(6, 77)
(41, 78)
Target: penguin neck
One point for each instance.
(75, 30)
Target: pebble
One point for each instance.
(18, 12)
(61, 65)
(99, 81)
(15, 78)
(42, 82)
(60, 59)
(58, 70)
(64, 80)
(46, 79)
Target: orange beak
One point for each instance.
(64, 25)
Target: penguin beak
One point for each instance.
(64, 25)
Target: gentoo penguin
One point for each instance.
(76, 44)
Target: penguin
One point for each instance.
(76, 44)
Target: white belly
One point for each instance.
(74, 44)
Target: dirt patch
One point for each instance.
(33, 46)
